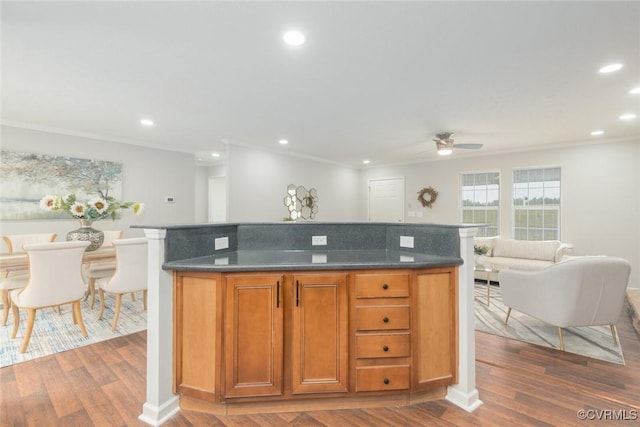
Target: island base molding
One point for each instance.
(314, 404)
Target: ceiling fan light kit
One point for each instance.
(443, 149)
(445, 145)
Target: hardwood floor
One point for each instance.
(520, 384)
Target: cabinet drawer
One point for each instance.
(382, 285)
(382, 318)
(375, 378)
(374, 346)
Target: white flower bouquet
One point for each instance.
(94, 210)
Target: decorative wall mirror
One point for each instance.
(301, 203)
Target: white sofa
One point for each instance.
(520, 254)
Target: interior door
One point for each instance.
(386, 200)
(217, 199)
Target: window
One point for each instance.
(481, 201)
(536, 204)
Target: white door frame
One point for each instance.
(217, 196)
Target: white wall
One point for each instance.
(600, 193)
(600, 188)
(148, 176)
(257, 185)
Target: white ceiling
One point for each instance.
(375, 80)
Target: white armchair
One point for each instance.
(585, 291)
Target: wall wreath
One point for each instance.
(433, 195)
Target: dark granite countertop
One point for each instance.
(270, 260)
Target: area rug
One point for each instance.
(594, 341)
(53, 333)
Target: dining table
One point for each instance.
(20, 261)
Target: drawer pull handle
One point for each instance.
(385, 348)
(385, 286)
(386, 381)
(385, 319)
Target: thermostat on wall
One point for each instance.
(169, 199)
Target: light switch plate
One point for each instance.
(406, 241)
(319, 240)
(221, 243)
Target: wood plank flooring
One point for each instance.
(520, 384)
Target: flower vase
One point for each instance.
(87, 233)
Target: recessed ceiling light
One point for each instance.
(146, 122)
(366, 162)
(635, 91)
(610, 68)
(628, 116)
(283, 142)
(215, 154)
(597, 133)
(294, 38)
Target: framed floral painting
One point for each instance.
(27, 177)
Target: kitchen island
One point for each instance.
(294, 316)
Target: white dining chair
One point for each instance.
(55, 278)
(130, 275)
(15, 243)
(99, 269)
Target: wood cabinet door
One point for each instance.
(320, 333)
(253, 335)
(435, 328)
(197, 334)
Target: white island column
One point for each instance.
(161, 404)
(464, 394)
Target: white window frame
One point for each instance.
(540, 207)
(484, 231)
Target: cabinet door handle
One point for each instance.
(385, 319)
(297, 293)
(385, 348)
(385, 286)
(386, 381)
(278, 294)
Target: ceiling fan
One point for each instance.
(445, 145)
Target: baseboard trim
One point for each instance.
(157, 415)
(311, 404)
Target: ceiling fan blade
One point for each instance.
(468, 146)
